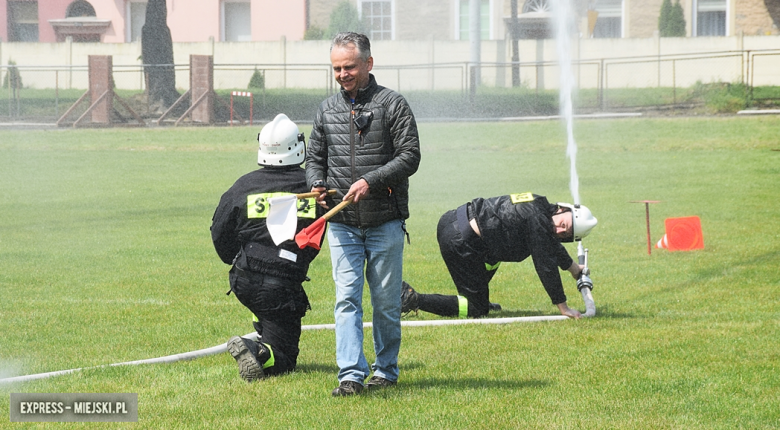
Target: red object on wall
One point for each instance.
(684, 234)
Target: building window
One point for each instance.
(237, 21)
(710, 17)
(609, 23)
(136, 11)
(530, 6)
(22, 21)
(79, 9)
(463, 20)
(379, 17)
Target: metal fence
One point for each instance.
(43, 93)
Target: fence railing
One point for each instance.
(603, 83)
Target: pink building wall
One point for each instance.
(189, 20)
(194, 20)
(113, 10)
(3, 20)
(54, 9)
(272, 19)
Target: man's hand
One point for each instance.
(575, 270)
(357, 191)
(569, 312)
(321, 198)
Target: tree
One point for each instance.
(676, 26)
(663, 18)
(671, 21)
(12, 77)
(345, 18)
(257, 80)
(157, 55)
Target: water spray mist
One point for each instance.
(564, 20)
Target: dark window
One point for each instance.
(22, 21)
(609, 20)
(711, 23)
(378, 15)
(79, 8)
(607, 28)
(484, 20)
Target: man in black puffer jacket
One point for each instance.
(364, 143)
(267, 278)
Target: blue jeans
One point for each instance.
(377, 252)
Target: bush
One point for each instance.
(257, 80)
(314, 33)
(723, 97)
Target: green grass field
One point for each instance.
(106, 257)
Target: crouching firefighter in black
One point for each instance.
(267, 278)
(476, 237)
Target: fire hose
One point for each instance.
(584, 285)
(223, 347)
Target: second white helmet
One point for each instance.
(582, 220)
(281, 143)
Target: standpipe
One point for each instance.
(584, 283)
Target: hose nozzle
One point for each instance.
(582, 258)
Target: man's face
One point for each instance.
(563, 224)
(350, 70)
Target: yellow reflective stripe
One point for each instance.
(254, 318)
(463, 307)
(521, 198)
(307, 208)
(271, 361)
(257, 205)
(490, 268)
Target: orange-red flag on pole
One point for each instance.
(312, 235)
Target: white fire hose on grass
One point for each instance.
(584, 285)
(223, 347)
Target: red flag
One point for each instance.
(312, 235)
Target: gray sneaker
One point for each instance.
(495, 307)
(347, 388)
(379, 382)
(409, 299)
(248, 366)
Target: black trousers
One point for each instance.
(279, 305)
(466, 257)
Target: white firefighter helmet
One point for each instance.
(281, 144)
(582, 220)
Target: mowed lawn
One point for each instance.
(106, 257)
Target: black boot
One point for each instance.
(409, 299)
(249, 356)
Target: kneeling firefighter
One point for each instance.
(266, 278)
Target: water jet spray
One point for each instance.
(564, 24)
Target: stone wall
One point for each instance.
(751, 17)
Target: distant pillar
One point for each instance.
(202, 88)
(101, 85)
(475, 38)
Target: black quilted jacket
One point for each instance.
(385, 153)
(517, 226)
